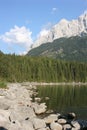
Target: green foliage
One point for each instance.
(3, 85)
(72, 49)
(41, 69)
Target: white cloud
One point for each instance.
(45, 30)
(43, 33)
(54, 10)
(18, 35)
(23, 53)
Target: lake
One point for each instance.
(64, 99)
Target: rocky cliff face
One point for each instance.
(64, 28)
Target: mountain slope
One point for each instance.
(73, 48)
(65, 28)
(1, 52)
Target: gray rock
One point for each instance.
(4, 105)
(26, 125)
(14, 126)
(67, 127)
(71, 115)
(4, 115)
(76, 125)
(43, 129)
(39, 109)
(37, 99)
(55, 126)
(51, 118)
(21, 113)
(62, 121)
(38, 123)
(75, 129)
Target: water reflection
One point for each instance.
(66, 99)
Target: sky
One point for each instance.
(21, 21)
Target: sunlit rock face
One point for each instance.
(64, 28)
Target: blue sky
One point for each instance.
(22, 20)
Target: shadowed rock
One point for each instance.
(83, 124)
(2, 128)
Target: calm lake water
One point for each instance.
(64, 99)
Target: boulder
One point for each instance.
(51, 118)
(55, 126)
(4, 105)
(43, 129)
(67, 127)
(21, 113)
(37, 99)
(27, 125)
(4, 115)
(62, 121)
(39, 109)
(14, 126)
(38, 123)
(76, 125)
(71, 116)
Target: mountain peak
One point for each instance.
(64, 28)
(83, 16)
(63, 21)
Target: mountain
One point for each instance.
(1, 52)
(72, 48)
(64, 28)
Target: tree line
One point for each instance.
(15, 68)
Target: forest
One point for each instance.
(14, 68)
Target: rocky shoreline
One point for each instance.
(18, 111)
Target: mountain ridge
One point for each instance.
(64, 28)
(72, 48)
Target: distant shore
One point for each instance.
(51, 83)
